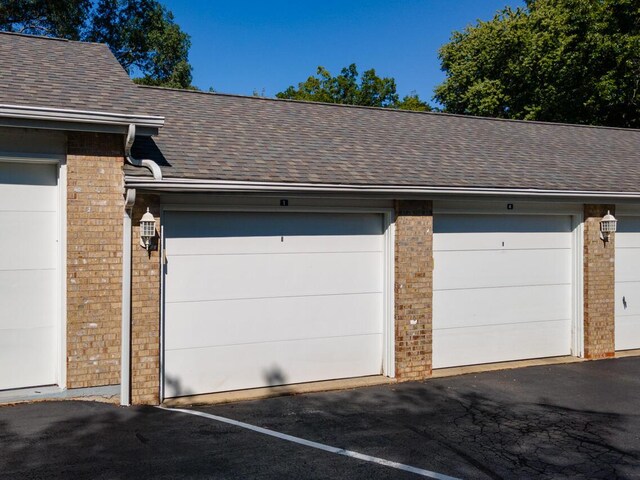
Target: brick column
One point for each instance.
(145, 309)
(413, 289)
(599, 285)
(94, 258)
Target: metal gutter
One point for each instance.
(193, 185)
(150, 164)
(79, 116)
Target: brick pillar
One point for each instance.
(413, 289)
(94, 258)
(145, 309)
(599, 285)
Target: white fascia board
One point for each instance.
(79, 116)
(196, 185)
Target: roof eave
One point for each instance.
(198, 185)
(81, 120)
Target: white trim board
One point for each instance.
(577, 221)
(62, 265)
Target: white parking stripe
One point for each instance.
(319, 446)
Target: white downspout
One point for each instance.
(150, 164)
(125, 348)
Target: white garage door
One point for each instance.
(628, 283)
(262, 299)
(28, 257)
(502, 288)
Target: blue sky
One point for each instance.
(243, 45)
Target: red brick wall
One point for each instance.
(413, 289)
(599, 285)
(145, 310)
(94, 258)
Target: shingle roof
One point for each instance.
(47, 72)
(224, 137)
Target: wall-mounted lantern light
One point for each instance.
(147, 229)
(607, 226)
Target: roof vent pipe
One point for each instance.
(150, 164)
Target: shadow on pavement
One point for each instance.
(544, 423)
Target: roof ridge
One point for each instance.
(391, 110)
(45, 37)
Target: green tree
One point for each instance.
(56, 18)
(575, 61)
(413, 102)
(142, 34)
(349, 88)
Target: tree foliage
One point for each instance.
(349, 88)
(575, 61)
(413, 102)
(142, 34)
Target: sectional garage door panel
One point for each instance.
(627, 306)
(264, 364)
(289, 275)
(281, 319)
(22, 234)
(261, 299)
(502, 268)
(544, 303)
(29, 187)
(28, 274)
(500, 343)
(27, 330)
(628, 232)
(502, 288)
(240, 233)
(489, 232)
(27, 357)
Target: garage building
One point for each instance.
(292, 242)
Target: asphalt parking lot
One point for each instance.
(578, 420)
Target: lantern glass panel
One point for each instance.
(148, 229)
(608, 226)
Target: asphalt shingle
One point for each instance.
(225, 137)
(48, 72)
(234, 138)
